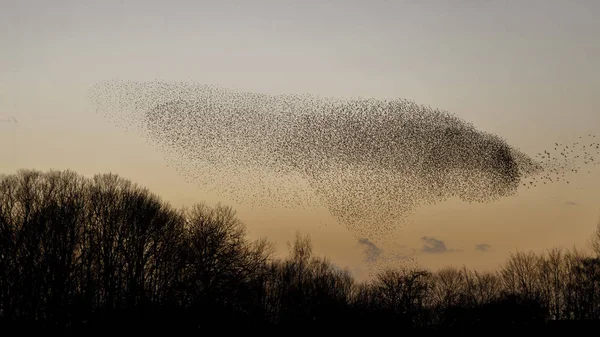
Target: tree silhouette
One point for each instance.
(97, 254)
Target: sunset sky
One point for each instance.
(528, 71)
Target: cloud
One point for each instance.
(482, 247)
(372, 252)
(433, 245)
(571, 203)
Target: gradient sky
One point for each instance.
(526, 70)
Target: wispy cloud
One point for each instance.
(482, 247)
(433, 245)
(372, 252)
(375, 254)
(571, 203)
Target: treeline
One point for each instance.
(102, 253)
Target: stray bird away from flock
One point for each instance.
(370, 162)
(11, 120)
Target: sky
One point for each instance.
(525, 70)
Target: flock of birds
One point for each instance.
(370, 162)
(563, 160)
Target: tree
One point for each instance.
(223, 269)
(404, 293)
(520, 275)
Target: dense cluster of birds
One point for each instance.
(369, 161)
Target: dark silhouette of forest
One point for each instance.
(103, 255)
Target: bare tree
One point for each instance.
(449, 286)
(405, 292)
(552, 281)
(76, 251)
(222, 267)
(520, 275)
(595, 240)
(480, 287)
(310, 289)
